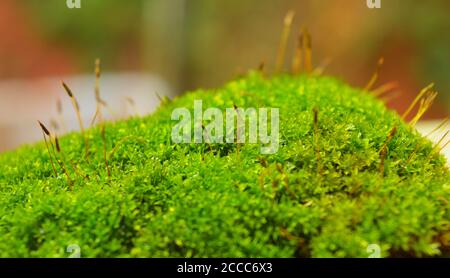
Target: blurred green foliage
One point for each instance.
(425, 24)
(99, 28)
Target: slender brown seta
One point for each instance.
(105, 157)
(208, 138)
(303, 54)
(383, 151)
(261, 67)
(444, 146)
(425, 103)
(44, 128)
(316, 139)
(437, 146)
(97, 111)
(58, 147)
(413, 153)
(261, 179)
(54, 124)
(59, 109)
(123, 140)
(62, 163)
(162, 99)
(263, 162)
(442, 124)
(322, 67)
(307, 50)
(75, 169)
(238, 130)
(297, 60)
(385, 88)
(99, 102)
(80, 120)
(286, 234)
(416, 149)
(390, 97)
(417, 99)
(97, 77)
(375, 75)
(46, 133)
(68, 91)
(283, 41)
(132, 103)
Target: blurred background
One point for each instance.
(166, 47)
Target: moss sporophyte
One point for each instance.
(349, 178)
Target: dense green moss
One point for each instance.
(196, 200)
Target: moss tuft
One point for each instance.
(224, 200)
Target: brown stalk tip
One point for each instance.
(385, 88)
(393, 131)
(316, 139)
(59, 106)
(389, 137)
(306, 38)
(375, 75)
(289, 18)
(279, 168)
(54, 124)
(263, 162)
(425, 104)
(301, 37)
(163, 99)
(296, 61)
(261, 66)
(103, 131)
(417, 99)
(235, 106)
(58, 148)
(307, 49)
(441, 140)
(130, 100)
(69, 92)
(284, 40)
(444, 146)
(316, 115)
(97, 68)
(384, 150)
(46, 131)
(443, 123)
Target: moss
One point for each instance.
(223, 200)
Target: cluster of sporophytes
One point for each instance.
(348, 174)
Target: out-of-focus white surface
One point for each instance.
(23, 102)
(425, 127)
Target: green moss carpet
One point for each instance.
(323, 194)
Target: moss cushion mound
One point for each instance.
(323, 194)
